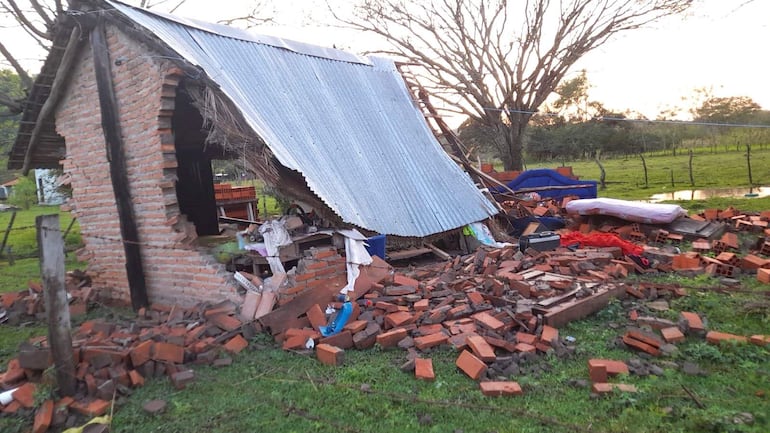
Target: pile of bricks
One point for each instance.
(27, 305)
(493, 307)
(113, 358)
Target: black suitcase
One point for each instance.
(543, 241)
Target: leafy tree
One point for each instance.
(24, 193)
(497, 61)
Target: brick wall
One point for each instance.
(145, 87)
(320, 267)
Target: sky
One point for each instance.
(718, 45)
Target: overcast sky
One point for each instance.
(720, 45)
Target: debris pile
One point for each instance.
(114, 357)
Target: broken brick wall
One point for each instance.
(145, 87)
(319, 267)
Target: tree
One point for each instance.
(497, 61)
(24, 193)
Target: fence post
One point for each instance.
(7, 232)
(51, 246)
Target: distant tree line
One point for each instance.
(573, 127)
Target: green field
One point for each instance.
(625, 176)
(268, 389)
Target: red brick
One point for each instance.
(750, 261)
(488, 321)
(168, 352)
(399, 318)
(330, 355)
(641, 345)
(236, 344)
(601, 388)
(760, 340)
(672, 334)
(137, 379)
(471, 365)
(763, 275)
(392, 337)
(597, 373)
(317, 317)
(141, 353)
(647, 338)
(549, 334)
(506, 345)
(614, 367)
(694, 322)
(403, 280)
(523, 337)
(356, 326)
(43, 417)
(25, 395)
(475, 297)
(430, 340)
(423, 369)
(343, 340)
(481, 348)
(295, 342)
(524, 347)
(12, 407)
(495, 389)
(715, 337)
(225, 322)
(91, 409)
(422, 305)
(386, 306)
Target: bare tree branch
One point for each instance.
(500, 59)
(25, 78)
(23, 19)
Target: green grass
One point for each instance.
(23, 238)
(625, 176)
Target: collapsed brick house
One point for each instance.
(134, 105)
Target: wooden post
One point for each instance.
(7, 232)
(692, 179)
(51, 246)
(118, 173)
(748, 164)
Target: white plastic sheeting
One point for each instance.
(646, 213)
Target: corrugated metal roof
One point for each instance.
(349, 128)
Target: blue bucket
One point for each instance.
(376, 246)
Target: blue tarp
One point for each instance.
(543, 177)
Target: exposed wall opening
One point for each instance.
(195, 177)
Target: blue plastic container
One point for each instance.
(376, 246)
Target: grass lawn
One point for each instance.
(625, 176)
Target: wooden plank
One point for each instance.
(408, 254)
(443, 255)
(113, 138)
(51, 245)
(565, 313)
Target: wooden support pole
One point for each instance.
(7, 232)
(51, 245)
(113, 138)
